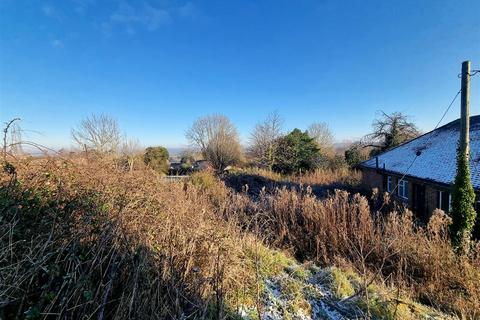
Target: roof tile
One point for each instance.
(437, 160)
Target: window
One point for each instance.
(403, 189)
(389, 184)
(444, 200)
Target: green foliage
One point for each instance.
(156, 158)
(340, 284)
(463, 198)
(292, 291)
(298, 272)
(270, 262)
(187, 162)
(353, 156)
(204, 179)
(378, 307)
(335, 162)
(296, 152)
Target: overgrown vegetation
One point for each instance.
(355, 154)
(157, 159)
(296, 152)
(391, 248)
(463, 197)
(83, 239)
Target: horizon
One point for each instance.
(156, 66)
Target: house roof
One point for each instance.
(437, 160)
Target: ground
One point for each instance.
(309, 292)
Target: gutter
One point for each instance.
(422, 180)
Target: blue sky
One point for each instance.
(157, 65)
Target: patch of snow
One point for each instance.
(275, 303)
(325, 311)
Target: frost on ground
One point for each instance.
(303, 293)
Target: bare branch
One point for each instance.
(323, 136)
(15, 136)
(217, 139)
(98, 133)
(264, 140)
(391, 130)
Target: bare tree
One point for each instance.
(264, 140)
(391, 130)
(323, 137)
(131, 151)
(99, 133)
(217, 139)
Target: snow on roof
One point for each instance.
(437, 161)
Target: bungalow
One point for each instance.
(429, 165)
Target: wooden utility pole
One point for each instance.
(463, 196)
(465, 110)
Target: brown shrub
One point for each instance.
(81, 239)
(84, 238)
(391, 248)
(340, 175)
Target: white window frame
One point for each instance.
(403, 189)
(389, 183)
(440, 200)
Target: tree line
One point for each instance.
(271, 147)
(215, 138)
(217, 141)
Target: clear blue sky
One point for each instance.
(156, 65)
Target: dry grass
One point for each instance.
(341, 175)
(322, 181)
(342, 229)
(83, 239)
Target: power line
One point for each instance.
(417, 154)
(471, 74)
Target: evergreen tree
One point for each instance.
(296, 152)
(157, 159)
(354, 155)
(463, 198)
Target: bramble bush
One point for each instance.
(82, 238)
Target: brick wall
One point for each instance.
(373, 179)
(431, 198)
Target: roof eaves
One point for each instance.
(427, 180)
